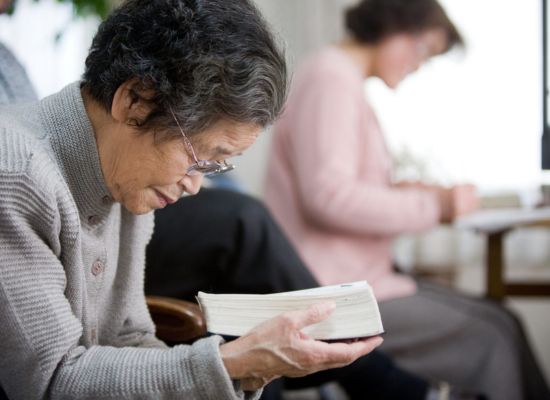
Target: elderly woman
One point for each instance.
(171, 89)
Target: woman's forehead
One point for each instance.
(226, 138)
(230, 131)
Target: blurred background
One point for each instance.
(473, 116)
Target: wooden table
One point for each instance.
(496, 224)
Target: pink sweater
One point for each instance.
(328, 182)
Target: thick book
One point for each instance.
(356, 314)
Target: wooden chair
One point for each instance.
(176, 321)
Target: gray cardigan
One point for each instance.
(73, 318)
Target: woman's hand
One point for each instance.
(457, 201)
(465, 200)
(277, 348)
(454, 202)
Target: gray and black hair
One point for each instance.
(207, 60)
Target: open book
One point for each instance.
(356, 314)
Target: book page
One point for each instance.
(322, 290)
(356, 314)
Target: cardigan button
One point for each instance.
(107, 200)
(97, 268)
(94, 220)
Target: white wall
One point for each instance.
(476, 118)
(31, 35)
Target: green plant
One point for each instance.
(90, 7)
(83, 8)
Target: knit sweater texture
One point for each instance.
(74, 322)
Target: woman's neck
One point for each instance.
(361, 54)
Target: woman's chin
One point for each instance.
(140, 209)
(143, 202)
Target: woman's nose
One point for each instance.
(192, 184)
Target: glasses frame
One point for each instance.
(202, 167)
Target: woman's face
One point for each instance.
(145, 176)
(401, 54)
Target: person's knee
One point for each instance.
(502, 318)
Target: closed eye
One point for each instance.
(222, 151)
(225, 152)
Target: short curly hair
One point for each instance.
(207, 60)
(373, 20)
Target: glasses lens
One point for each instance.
(225, 168)
(203, 167)
(208, 168)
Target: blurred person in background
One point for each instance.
(15, 86)
(329, 187)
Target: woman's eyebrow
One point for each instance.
(222, 151)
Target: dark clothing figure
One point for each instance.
(224, 242)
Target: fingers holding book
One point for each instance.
(314, 313)
(278, 347)
(355, 348)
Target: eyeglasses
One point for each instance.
(206, 168)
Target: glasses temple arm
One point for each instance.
(185, 139)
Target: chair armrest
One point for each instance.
(176, 321)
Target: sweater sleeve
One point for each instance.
(194, 372)
(40, 333)
(325, 152)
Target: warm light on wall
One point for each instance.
(475, 117)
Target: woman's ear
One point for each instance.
(130, 102)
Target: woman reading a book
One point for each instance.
(329, 187)
(166, 97)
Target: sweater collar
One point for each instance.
(73, 142)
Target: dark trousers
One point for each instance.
(225, 242)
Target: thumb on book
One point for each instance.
(316, 313)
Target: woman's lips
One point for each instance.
(164, 200)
